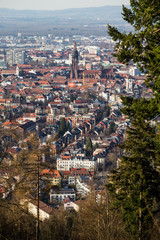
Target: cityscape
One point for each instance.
(61, 117)
(76, 80)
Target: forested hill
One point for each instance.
(44, 21)
(106, 12)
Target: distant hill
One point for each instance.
(38, 20)
(106, 12)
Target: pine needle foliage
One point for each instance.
(141, 45)
(135, 185)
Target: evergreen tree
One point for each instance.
(141, 45)
(106, 111)
(135, 185)
(68, 126)
(89, 147)
(112, 127)
(63, 126)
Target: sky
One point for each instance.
(57, 4)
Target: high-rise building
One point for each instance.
(9, 57)
(15, 57)
(3, 64)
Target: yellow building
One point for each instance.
(52, 176)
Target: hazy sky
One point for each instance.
(57, 4)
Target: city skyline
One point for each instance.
(57, 5)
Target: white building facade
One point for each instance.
(61, 195)
(76, 162)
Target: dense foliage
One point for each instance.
(141, 45)
(136, 184)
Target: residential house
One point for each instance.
(30, 126)
(82, 185)
(60, 195)
(29, 116)
(70, 205)
(45, 212)
(52, 176)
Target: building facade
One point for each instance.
(60, 195)
(67, 163)
(15, 57)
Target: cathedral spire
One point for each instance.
(74, 69)
(75, 47)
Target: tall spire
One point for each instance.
(74, 69)
(75, 52)
(75, 47)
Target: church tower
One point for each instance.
(74, 69)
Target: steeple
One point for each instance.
(75, 48)
(74, 69)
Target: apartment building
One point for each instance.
(66, 163)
